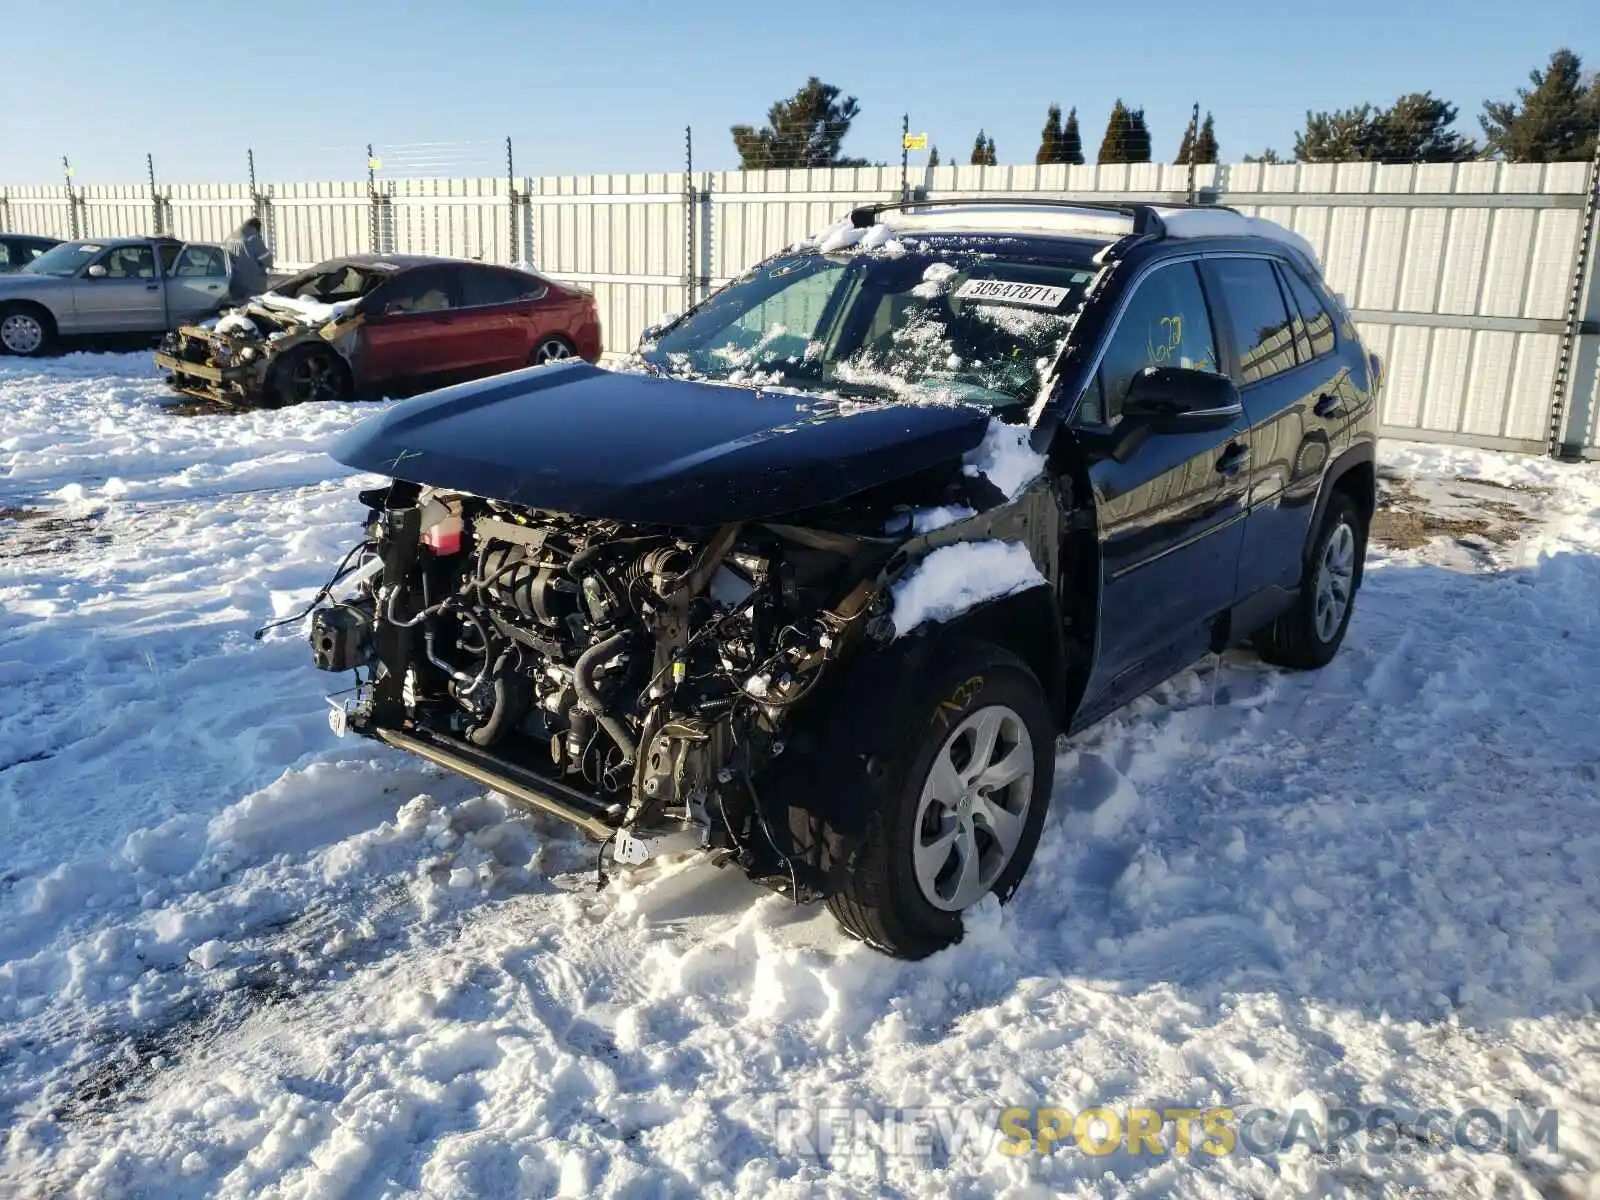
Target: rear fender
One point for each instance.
(1362, 454)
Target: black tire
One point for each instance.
(26, 330)
(551, 348)
(877, 897)
(305, 375)
(1302, 638)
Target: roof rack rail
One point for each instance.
(1146, 219)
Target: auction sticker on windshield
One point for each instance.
(1001, 291)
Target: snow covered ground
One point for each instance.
(241, 958)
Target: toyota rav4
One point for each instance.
(815, 583)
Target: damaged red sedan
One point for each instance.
(376, 325)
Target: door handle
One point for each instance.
(152, 287)
(1233, 459)
(1327, 405)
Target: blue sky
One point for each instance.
(606, 85)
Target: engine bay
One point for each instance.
(650, 671)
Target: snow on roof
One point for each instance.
(1088, 223)
(1222, 222)
(999, 217)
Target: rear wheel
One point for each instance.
(1311, 632)
(307, 375)
(961, 813)
(551, 349)
(26, 330)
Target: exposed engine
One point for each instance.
(651, 670)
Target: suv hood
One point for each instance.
(635, 448)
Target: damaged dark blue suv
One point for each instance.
(814, 584)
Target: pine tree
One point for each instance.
(1186, 147)
(1554, 121)
(1127, 138)
(993, 156)
(1206, 149)
(1113, 144)
(1050, 138)
(1269, 156)
(1138, 138)
(1339, 136)
(983, 154)
(1414, 129)
(1071, 141)
(933, 156)
(802, 131)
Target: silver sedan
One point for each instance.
(110, 285)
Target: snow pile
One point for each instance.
(953, 579)
(309, 312)
(1005, 458)
(240, 957)
(237, 322)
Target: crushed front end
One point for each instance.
(635, 681)
(231, 359)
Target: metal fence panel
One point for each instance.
(1459, 275)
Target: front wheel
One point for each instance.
(961, 816)
(25, 331)
(1311, 632)
(306, 375)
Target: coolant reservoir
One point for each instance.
(441, 527)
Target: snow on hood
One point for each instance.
(956, 578)
(310, 312)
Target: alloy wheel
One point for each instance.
(1335, 579)
(551, 350)
(973, 807)
(21, 333)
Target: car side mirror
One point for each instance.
(96, 272)
(1181, 400)
(394, 310)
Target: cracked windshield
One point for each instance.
(909, 325)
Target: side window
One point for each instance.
(484, 286)
(427, 290)
(199, 262)
(5, 255)
(130, 262)
(1319, 325)
(169, 255)
(33, 251)
(1257, 316)
(1166, 324)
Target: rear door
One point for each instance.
(1170, 516)
(494, 320)
(126, 298)
(412, 336)
(1289, 393)
(196, 283)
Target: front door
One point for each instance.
(120, 292)
(412, 335)
(1170, 516)
(197, 284)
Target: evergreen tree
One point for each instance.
(802, 131)
(983, 154)
(993, 156)
(1127, 138)
(1113, 144)
(1268, 156)
(933, 156)
(1050, 138)
(1071, 141)
(1553, 121)
(1206, 149)
(1339, 136)
(1414, 129)
(1138, 137)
